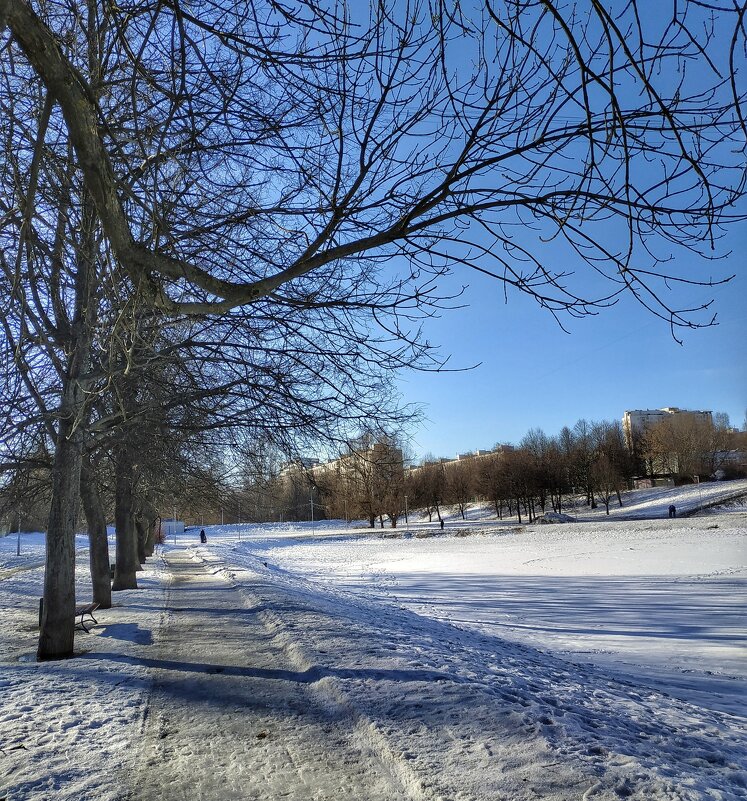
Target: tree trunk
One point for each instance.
(141, 534)
(57, 631)
(127, 563)
(98, 542)
(57, 628)
(150, 539)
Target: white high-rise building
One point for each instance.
(636, 422)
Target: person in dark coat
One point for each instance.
(672, 511)
(203, 536)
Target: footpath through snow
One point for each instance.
(233, 715)
(226, 677)
(295, 692)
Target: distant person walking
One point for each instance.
(672, 511)
(203, 535)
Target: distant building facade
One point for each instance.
(636, 422)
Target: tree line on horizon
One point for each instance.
(592, 459)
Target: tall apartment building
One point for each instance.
(636, 422)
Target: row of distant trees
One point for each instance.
(684, 447)
(188, 477)
(591, 461)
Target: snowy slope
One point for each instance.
(597, 660)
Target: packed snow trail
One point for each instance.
(464, 715)
(227, 702)
(286, 690)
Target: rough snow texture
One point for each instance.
(587, 660)
(69, 729)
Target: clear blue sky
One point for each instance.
(534, 375)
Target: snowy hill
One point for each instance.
(591, 660)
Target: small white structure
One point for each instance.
(171, 526)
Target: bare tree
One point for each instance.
(494, 483)
(432, 486)
(287, 157)
(461, 477)
(685, 446)
(606, 480)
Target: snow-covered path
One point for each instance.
(282, 697)
(228, 700)
(287, 690)
(275, 664)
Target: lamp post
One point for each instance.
(311, 501)
(407, 521)
(18, 541)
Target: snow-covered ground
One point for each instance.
(590, 660)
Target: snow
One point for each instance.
(598, 659)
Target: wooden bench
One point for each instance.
(83, 612)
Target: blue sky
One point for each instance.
(532, 374)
